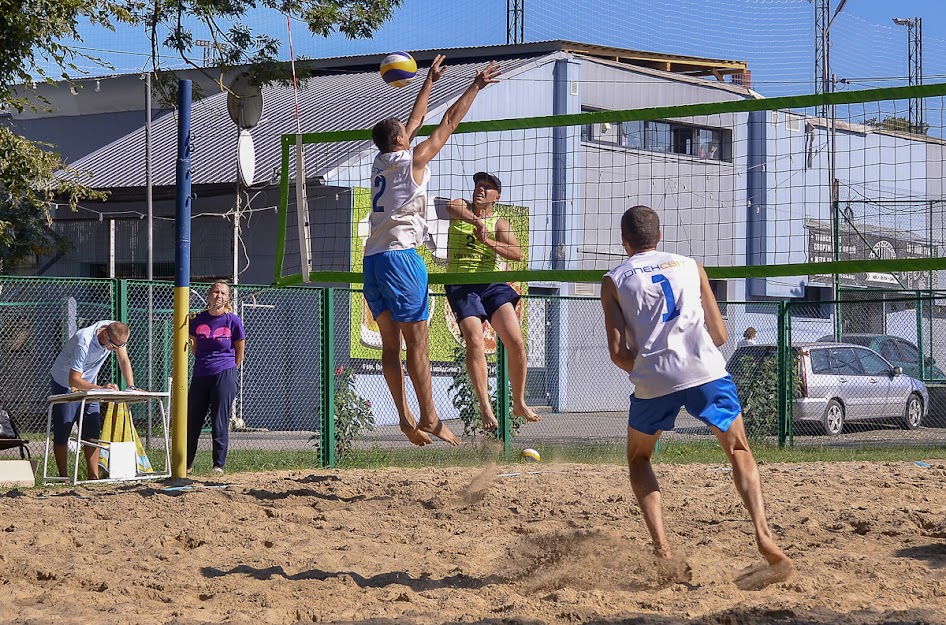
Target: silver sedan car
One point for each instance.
(838, 383)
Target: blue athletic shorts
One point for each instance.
(65, 415)
(479, 300)
(714, 403)
(397, 281)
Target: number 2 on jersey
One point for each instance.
(672, 311)
(379, 184)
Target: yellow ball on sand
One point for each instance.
(531, 455)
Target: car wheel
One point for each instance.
(913, 413)
(833, 419)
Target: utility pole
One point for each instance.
(822, 62)
(515, 21)
(914, 68)
(825, 82)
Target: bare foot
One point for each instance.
(761, 575)
(440, 431)
(672, 569)
(489, 422)
(414, 435)
(526, 413)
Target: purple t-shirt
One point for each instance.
(213, 351)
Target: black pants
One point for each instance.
(217, 393)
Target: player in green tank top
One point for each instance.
(465, 252)
(477, 239)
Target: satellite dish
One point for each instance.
(246, 157)
(244, 101)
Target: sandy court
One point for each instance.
(530, 544)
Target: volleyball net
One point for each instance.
(835, 190)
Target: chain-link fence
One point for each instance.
(798, 387)
(37, 317)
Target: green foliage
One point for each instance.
(233, 43)
(40, 33)
(755, 373)
(757, 386)
(353, 413)
(899, 124)
(464, 399)
(28, 185)
(35, 31)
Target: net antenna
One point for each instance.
(302, 204)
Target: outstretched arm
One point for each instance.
(711, 315)
(419, 112)
(429, 148)
(616, 328)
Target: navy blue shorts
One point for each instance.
(397, 281)
(65, 415)
(479, 300)
(714, 403)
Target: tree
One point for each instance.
(31, 177)
(899, 124)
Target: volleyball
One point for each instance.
(398, 69)
(531, 455)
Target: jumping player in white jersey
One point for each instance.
(394, 273)
(664, 328)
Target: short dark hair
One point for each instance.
(640, 227)
(384, 134)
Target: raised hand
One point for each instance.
(437, 68)
(489, 75)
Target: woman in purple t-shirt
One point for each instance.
(217, 341)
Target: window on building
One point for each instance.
(683, 140)
(657, 136)
(632, 135)
(608, 132)
(710, 143)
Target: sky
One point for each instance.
(774, 36)
(933, 12)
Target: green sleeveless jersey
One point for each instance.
(465, 253)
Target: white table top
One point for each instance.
(111, 395)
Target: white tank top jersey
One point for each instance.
(398, 204)
(659, 294)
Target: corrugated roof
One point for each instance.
(338, 101)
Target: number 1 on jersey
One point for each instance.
(379, 184)
(672, 311)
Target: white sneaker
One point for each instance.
(217, 471)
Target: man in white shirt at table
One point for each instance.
(77, 369)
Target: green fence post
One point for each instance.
(502, 396)
(784, 358)
(327, 425)
(120, 306)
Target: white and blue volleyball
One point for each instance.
(398, 69)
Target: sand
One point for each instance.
(529, 544)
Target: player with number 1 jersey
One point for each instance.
(664, 329)
(659, 294)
